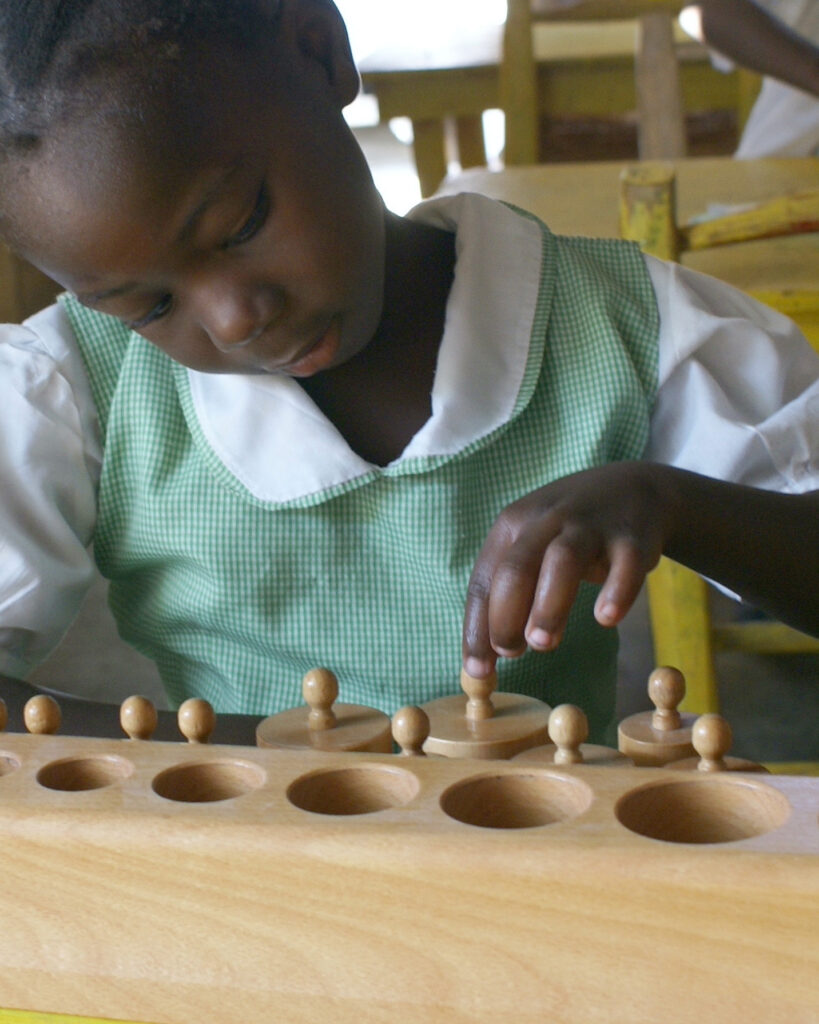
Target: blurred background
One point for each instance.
(415, 25)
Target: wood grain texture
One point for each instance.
(584, 199)
(369, 888)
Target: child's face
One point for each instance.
(238, 230)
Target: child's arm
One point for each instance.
(748, 34)
(610, 525)
(89, 718)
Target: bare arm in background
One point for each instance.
(748, 34)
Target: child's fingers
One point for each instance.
(513, 588)
(478, 656)
(570, 558)
(628, 569)
(505, 581)
(504, 577)
(540, 549)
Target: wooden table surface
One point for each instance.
(582, 199)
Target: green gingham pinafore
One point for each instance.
(236, 598)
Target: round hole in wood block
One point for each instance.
(72, 775)
(516, 801)
(703, 810)
(359, 790)
(208, 781)
(8, 764)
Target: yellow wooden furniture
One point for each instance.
(667, 93)
(174, 882)
(648, 215)
(444, 89)
(583, 69)
(661, 126)
(685, 634)
(584, 199)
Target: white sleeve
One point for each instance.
(738, 394)
(50, 459)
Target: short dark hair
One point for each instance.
(53, 51)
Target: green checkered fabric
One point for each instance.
(235, 598)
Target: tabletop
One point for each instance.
(582, 199)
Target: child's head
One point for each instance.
(185, 165)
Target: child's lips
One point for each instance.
(319, 357)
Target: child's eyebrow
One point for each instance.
(211, 196)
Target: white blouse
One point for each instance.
(738, 399)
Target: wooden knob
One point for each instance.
(138, 718)
(410, 730)
(196, 720)
(4, 715)
(320, 690)
(666, 689)
(42, 715)
(712, 738)
(568, 729)
(479, 691)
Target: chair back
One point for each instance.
(661, 121)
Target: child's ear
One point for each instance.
(322, 36)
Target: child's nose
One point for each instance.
(233, 313)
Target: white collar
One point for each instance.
(268, 433)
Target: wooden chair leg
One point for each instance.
(648, 208)
(659, 94)
(429, 150)
(471, 145)
(519, 86)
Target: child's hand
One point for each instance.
(604, 526)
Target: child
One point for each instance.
(288, 419)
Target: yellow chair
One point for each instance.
(684, 633)
(579, 70)
(443, 87)
(671, 75)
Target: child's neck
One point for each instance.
(381, 398)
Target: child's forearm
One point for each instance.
(762, 545)
(89, 718)
(609, 526)
(748, 34)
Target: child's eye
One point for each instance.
(159, 310)
(254, 223)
